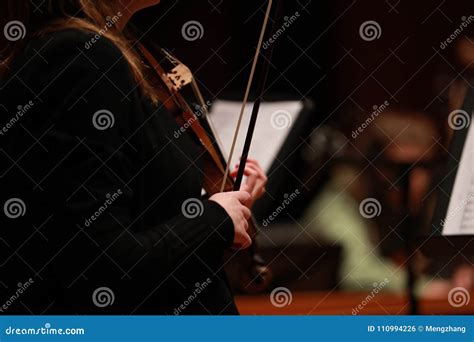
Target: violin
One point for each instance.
(246, 270)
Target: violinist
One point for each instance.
(102, 208)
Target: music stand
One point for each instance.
(443, 239)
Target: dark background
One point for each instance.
(322, 56)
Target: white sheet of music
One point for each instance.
(460, 216)
(275, 120)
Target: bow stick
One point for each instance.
(261, 88)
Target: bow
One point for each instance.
(256, 106)
(253, 275)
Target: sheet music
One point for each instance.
(460, 215)
(275, 120)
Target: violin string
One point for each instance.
(170, 57)
(197, 93)
(247, 92)
(200, 98)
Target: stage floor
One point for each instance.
(349, 303)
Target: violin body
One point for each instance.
(246, 270)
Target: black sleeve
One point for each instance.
(81, 168)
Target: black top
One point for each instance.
(101, 200)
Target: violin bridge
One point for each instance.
(180, 76)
